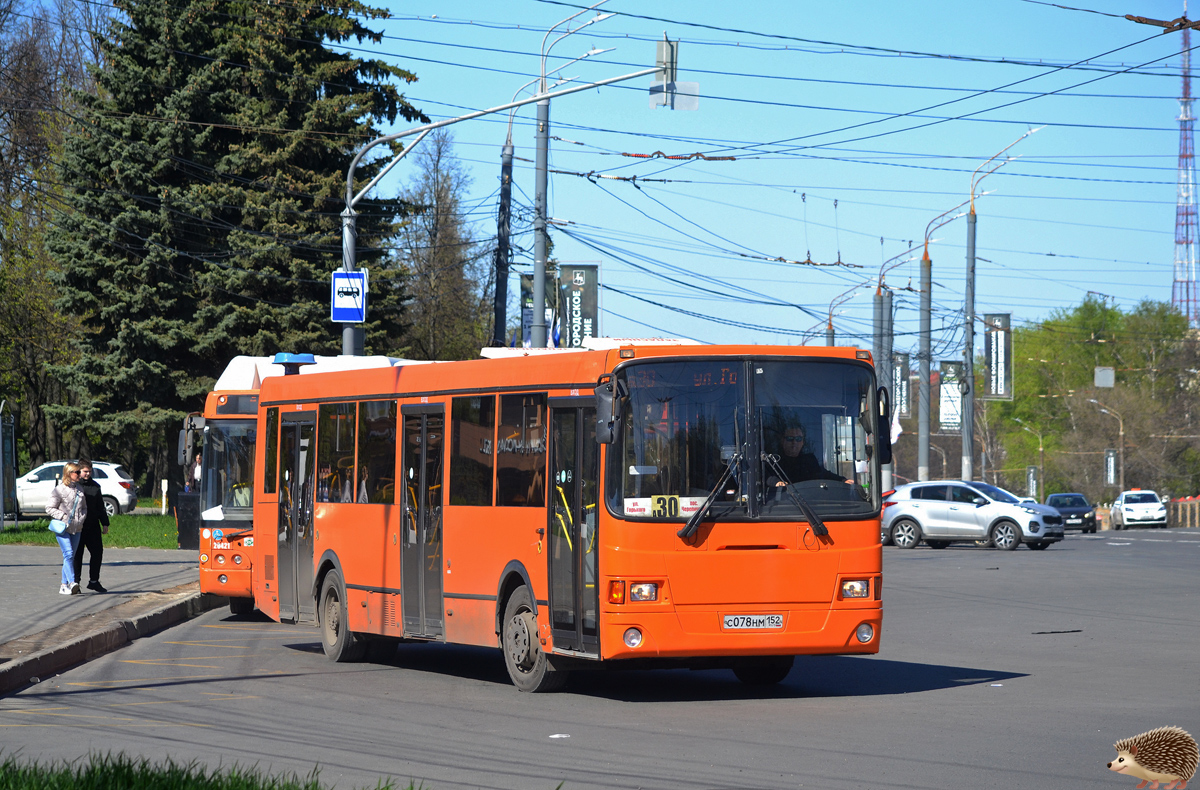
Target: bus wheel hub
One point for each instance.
(519, 639)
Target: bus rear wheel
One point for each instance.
(528, 666)
(764, 671)
(339, 642)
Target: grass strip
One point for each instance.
(120, 772)
(124, 531)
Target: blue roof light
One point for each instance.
(292, 362)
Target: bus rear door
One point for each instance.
(297, 456)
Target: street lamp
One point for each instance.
(925, 353)
(541, 164)
(1041, 452)
(968, 406)
(942, 453)
(1111, 412)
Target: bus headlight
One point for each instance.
(643, 591)
(856, 588)
(220, 559)
(223, 578)
(865, 632)
(633, 637)
(237, 559)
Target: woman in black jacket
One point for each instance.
(94, 526)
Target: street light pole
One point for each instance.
(1111, 412)
(541, 245)
(926, 350)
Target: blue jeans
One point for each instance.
(68, 543)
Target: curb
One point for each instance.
(116, 633)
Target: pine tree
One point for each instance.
(205, 184)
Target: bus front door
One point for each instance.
(295, 533)
(574, 472)
(421, 547)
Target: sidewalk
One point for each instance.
(43, 632)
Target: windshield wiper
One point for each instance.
(693, 523)
(818, 526)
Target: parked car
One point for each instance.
(1138, 508)
(941, 512)
(116, 486)
(1077, 513)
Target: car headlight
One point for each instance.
(856, 588)
(1128, 509)
(1031, 511)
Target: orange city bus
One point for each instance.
(625, 503)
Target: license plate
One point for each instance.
(745, 621)
(1074, 521)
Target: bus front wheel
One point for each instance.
(528, 666)
(339, 642)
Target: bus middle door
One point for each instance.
(421, 531)
(573, 513)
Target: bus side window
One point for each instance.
(472, 432)
(376, 452)
(335, 452)
(521, 451)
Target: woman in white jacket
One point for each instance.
(67, 503)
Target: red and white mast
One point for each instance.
(1184, 295)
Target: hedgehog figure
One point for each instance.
(1167, 754)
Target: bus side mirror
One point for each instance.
(182, 449)
(609, 393)
(883, 432)
(192, 425)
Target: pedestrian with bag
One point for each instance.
(94, 525)
(68, 511)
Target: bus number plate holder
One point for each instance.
(742, 622)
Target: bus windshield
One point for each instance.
(228, 465)
(783, 428)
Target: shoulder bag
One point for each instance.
(58, 526)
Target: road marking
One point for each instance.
(1187, 541)
(1116, 544)
(1155, 540)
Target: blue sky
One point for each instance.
(805, 97)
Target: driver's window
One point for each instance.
(50, 473)
(963, 494)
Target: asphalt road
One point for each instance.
(998, 669)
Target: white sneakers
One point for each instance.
(69, 589)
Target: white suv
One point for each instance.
(941, 512)
(116, 486)
(1138, 508)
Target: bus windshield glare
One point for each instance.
(228, 465)
(785, 426)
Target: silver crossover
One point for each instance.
(941, 512)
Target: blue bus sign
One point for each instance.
(348, 297)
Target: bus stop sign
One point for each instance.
(348, 297)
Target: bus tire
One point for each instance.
(764, 671)
(528, 666)
(241, 606)
(339, 642)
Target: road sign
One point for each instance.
(348, 297)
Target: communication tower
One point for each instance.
(1184, 292)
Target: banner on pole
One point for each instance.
(580, 303)
(950, 397)
(1031, 481)
(997, 357)
(901, 386)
